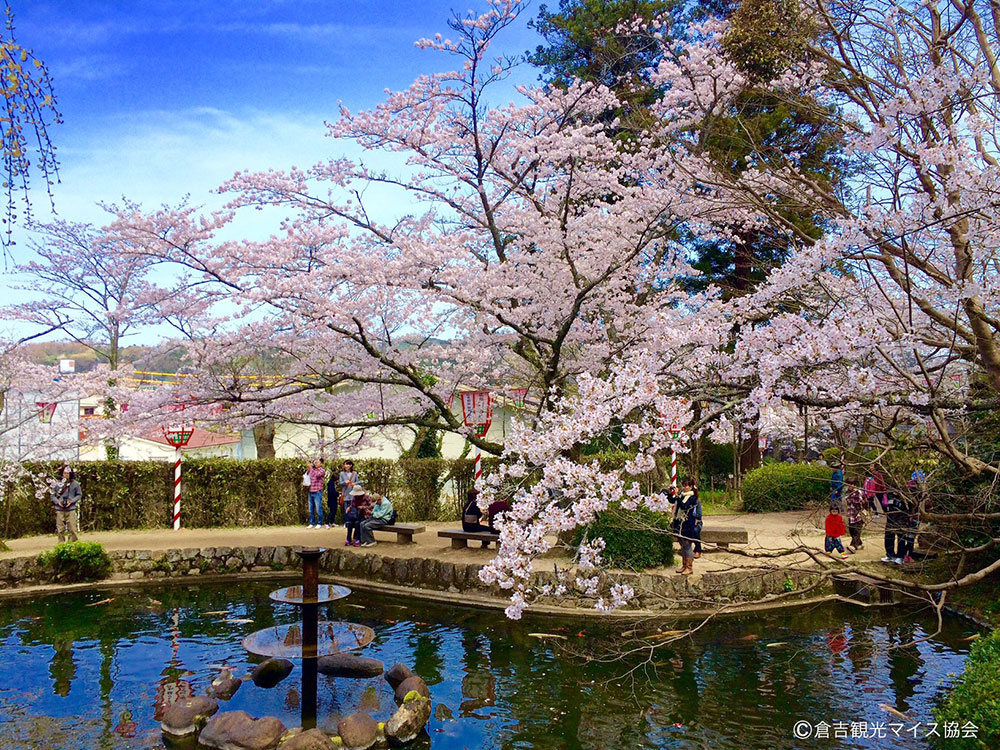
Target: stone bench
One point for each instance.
(460, 539)
(723, 536)
(404, 531)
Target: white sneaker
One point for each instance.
(368, 544)
(888, 559)
(312, 526)
(898, 560)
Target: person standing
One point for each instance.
(868, 492)
(347, 480)
(66, 495)
(855, 517)
(317, 478)
(685, 525)
(382, 515)
(895, 546)
(881, 489)
(837, 486)
(333, 498)
(909, 523)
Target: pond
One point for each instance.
(92, 670)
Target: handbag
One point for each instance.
(305, 480)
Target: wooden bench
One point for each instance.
(723, 536)
(460, 539)
(404, 531)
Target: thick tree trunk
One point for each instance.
(750, 452)
(263, 438)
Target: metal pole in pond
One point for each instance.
(310, 619)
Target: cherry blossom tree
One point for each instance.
(520, 245)
(85, 287)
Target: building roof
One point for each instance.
(199, 439)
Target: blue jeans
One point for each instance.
(315, 507)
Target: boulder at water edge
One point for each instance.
(411, 684)
(224, 686)
(349, 665)
(238, 730)
(358, 731)
(188, 715)
(312, 739)
(409, 720)
(270, 672)
(397, 674)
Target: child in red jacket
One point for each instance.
(834, 530)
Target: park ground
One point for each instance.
(766, 532)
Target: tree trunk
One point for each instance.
(263, 438)
(750, 452)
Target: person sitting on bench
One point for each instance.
(500, 506)
(471, 514)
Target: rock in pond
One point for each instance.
(188, 715)
(312, 739)
(238, 730)
(224, 686)
(270, 672)
(349, 665)
(409, 684)
(397, 674)
(443, 713)
(409, 720)
(359, 731)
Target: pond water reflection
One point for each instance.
(80, 672)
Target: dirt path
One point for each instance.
(766, 531)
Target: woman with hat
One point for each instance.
(357, 507)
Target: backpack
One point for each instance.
(392, 518)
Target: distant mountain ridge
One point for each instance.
(141, 357)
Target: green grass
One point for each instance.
(718, 503)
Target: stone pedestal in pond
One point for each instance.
(321, 646)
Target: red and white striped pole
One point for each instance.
(675, 432)
(479, 467)
(177, 489)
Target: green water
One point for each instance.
(78, 676)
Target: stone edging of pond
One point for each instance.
(427, 578)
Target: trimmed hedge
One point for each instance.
(975, 698)
(228, 492)
(780, 486)
(635, 540)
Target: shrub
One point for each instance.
(777, 487)
(632, 539)
(975, 698)
(76, 561)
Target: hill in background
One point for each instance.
(141, 357)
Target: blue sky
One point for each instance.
(164, 98)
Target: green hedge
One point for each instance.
(230, 492)
(781, 486)
(632, 539)
(76, 561)
(975, 698)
